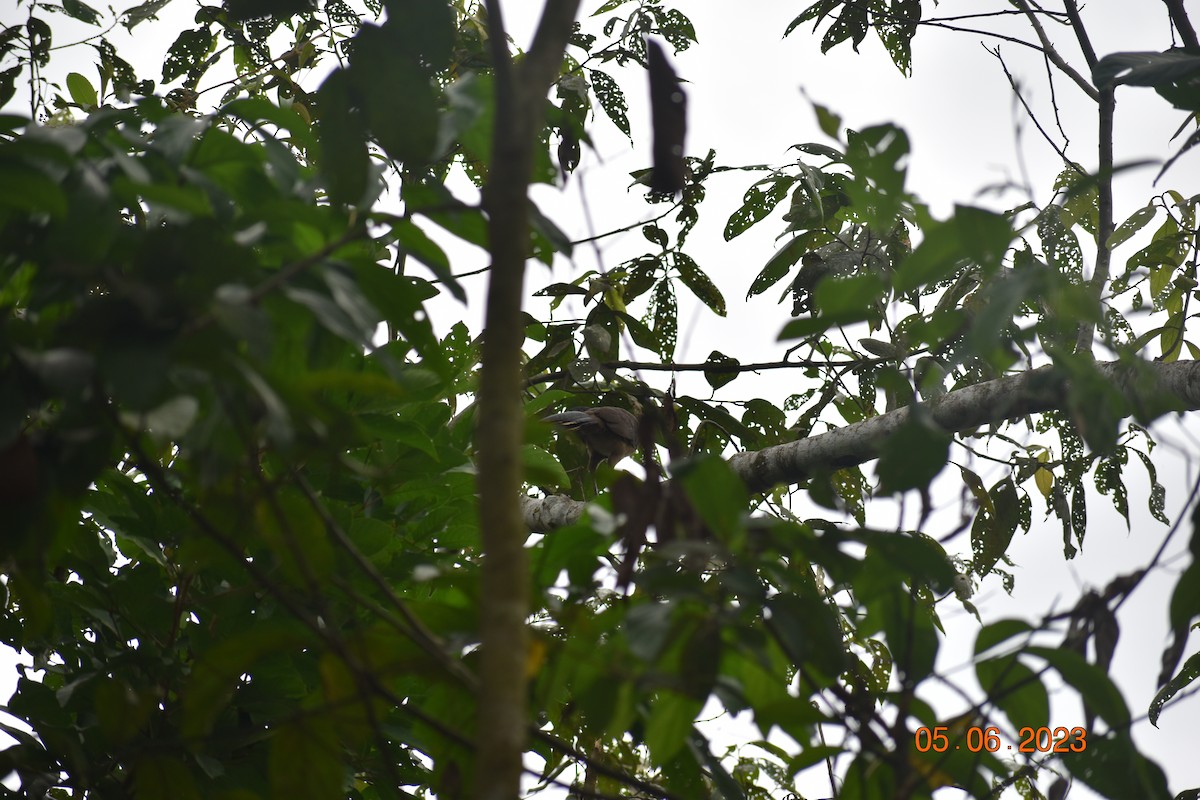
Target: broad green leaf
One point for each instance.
(396, 95)
(701, 285)
(993, 528)
(81, 11)
(910, 633)
(979, 235)
(29, 189)
(759, 201)
(1112, 766)
(343, 136)
(296, 534)
(1016, 689)
(848, 299)
(716, 493)
(1137, 220)
(1180, 681)
(999, 632)
(778, 265)
(611, 98)
(1185, 599)
(82, 91)
(1095, 687)
(810, 631)
(189, 55)
(162, 777)
(1145, 69)
(912, 455)
(423, 31)
(666, 318)
(305, 762)
(717, 379)
(669, 724)
(542, 468)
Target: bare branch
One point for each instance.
(1008, 398)
(1053, 54)
(1182, 24)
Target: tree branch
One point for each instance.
(1008, 398)
(1182, 24)
(1104, 177)
(1053, 54)
(520, 99)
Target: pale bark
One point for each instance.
(989, 403)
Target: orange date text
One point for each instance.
(1031, 740)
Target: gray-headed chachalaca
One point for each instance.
(608, 432)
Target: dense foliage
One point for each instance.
(240, 536)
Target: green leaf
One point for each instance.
(810, 631)
(666, 318)
(646, 628)
(994, 527)
(1137, 220)
(911, 637)
(998, 633)
(189, 54)
(669, 724)
(1145, 68)
(850, 24)
(162, 777)
(716, 493)
(1094, 685)
(81, 11)
(305, 762)
(66, 370)
(1112, 766)
(218, 668)
(718, 379)
(848, 299)
(917, 556)
(397, 97)
(423, 30)
(81, 90)
(1016, 689)
(695, 279)
(1185, 599)
(913, 455)
(829, 122)
(1180, 681)
(29, 189)
(612, 99)
(254, 109)
(543, 469)
(296, 534)
(778, 265)
(343, 135)
(759, 201)
(979, 235)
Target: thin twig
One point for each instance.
(1053, 54)
(1012, 81)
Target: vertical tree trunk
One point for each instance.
(520, 95)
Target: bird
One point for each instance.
(609, 433)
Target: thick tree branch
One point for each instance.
(520, 97)
(1008, 398)
(1183, 25)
